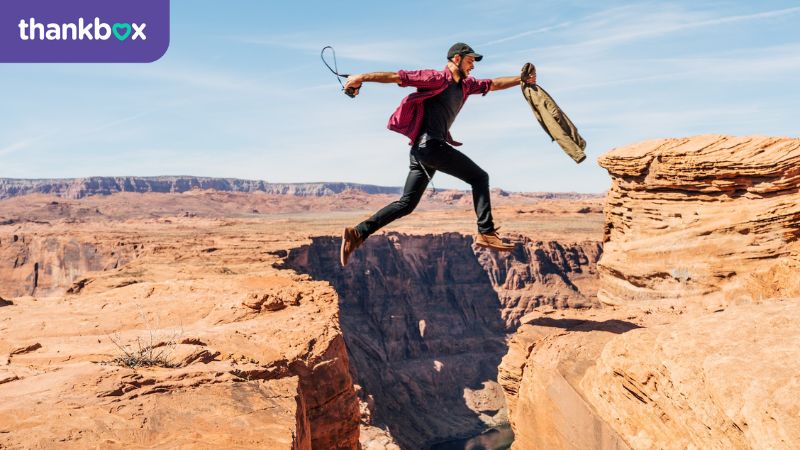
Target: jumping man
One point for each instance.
(425, 118)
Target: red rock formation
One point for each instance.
(260, 344)
(708, 217)
(701, 252)
(255, 357)
(49, 266)
(426, 317)
(543, 274)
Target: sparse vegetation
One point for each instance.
(155, 349)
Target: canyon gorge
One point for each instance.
(658, 316)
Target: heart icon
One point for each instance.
(121, 30)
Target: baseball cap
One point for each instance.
(460, 48)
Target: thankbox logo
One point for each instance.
(100, 31)
(83, 30)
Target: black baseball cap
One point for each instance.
(460, 48)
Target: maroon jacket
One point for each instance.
(407, 118)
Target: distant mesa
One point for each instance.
(76, 188)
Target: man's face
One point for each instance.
(467, 63)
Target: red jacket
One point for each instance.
(407, 118)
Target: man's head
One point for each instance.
(463, 57)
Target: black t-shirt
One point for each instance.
(441, 111)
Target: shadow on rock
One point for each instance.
(423, 328)
(611, 326)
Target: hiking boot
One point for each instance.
(351, 240)
(492, 240)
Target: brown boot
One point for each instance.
(351, 240)
(492, 240)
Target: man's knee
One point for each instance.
(480, 179)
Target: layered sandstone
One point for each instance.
(713, 218)
(252, 357)
(695, 346)
(257, 354)
(426, 317)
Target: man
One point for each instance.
(425, 117)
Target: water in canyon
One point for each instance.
(499, 438)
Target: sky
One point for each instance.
(242, 92)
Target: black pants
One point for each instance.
(435, 155)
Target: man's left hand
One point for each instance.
(531, 79)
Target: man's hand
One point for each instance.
(354, 83)
(531, 80)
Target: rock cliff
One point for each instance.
(711, 217)
(48, 266)
(246, 356)
(425, 319)
(694, 346)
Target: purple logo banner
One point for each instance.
(83, 31)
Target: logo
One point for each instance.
(83, 30)
(31, 30)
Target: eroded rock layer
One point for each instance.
(246, 356)
(721, 380)
(425, 319)
(695, 347)
(711, 217)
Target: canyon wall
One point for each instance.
(696, 344)
(34, 265)
(426, 318)
(247, 356)
(710, 218)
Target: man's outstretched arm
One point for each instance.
(507, 82)
(354, 81)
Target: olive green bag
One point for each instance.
(552, 118)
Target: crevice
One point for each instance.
(35, 278)
(417, 387)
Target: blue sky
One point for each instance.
(242, 91)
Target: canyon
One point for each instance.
(425, 319)
(658, 316)
(257, 344)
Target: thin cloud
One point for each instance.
(727, 67)
(600, 19)
(641, 26)
(528, 33)
(24, 143)
(388, 51)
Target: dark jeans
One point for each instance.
(435, 155)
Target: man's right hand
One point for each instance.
(354, 83)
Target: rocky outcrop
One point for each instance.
(542, 274)
(45, 266)
(234, 353)
(699, 277)
(724, 380)
(75, 188)
(425, 319)
(713, 218)
(541, 374)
